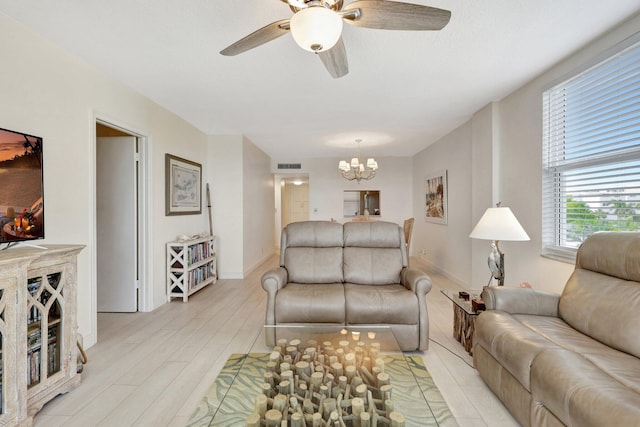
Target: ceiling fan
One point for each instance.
(316, 26)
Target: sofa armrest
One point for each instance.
(272, 282)
(521, 301)
(420, 284)
(416, 281)
(274, 279)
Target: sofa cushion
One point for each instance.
(392, 304)
(588, 301)
(375, 234)
(314, 265)
(620, 366)
(614, 254)
(316, 234)
(579, 393)
(606, 281)
(510, 342)
(304, 303)
(372, 266)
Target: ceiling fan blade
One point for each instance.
(257, 38)
(392, 15)
(335, 60)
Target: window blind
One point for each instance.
(591, 153)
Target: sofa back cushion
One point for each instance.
(374, 253)
(311, 251)
(602, 297)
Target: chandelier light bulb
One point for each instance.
(316, 28)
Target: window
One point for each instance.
(591, 153)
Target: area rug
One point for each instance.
(225, 406)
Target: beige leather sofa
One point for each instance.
(352, 274)
(570, 359)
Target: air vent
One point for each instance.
(289, 165)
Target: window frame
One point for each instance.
(554, 213)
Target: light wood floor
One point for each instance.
(151, 369)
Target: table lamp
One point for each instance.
(497, 224)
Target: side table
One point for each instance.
(464, 317)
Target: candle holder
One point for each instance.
(325, 385)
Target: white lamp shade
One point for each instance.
(499, 224)
(343, 165)
(355, 162)
(316, 28)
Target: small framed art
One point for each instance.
(436, 197)
(183, 186)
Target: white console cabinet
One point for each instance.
(38, 329)
(191, 265)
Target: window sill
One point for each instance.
(560, 254)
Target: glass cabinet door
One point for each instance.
(44, 327)
(7, 349)
(2, 333)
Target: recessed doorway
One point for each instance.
(120, 220)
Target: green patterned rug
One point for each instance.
(227, 406)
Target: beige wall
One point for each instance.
(47, 92)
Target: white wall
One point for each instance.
(447, 246)
(225, 176)
(326, 186)
(242, 201)
(47, 92)
(258, 212)
(484, 188)
(506, 146)
(521, 159)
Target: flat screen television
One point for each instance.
(21, 187)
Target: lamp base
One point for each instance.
(496, 263)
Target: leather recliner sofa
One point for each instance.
(571, 359)
(352, 275)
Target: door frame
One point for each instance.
(145, 221)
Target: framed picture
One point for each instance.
(183, 190)
(436, 197)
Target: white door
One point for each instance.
(298, 202)
(117, 224)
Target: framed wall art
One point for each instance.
(183, 186)
(436, 197)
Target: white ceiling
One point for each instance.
(403, 92)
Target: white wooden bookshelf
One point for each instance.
(38, 310)
(191, 265)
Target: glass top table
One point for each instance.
(464, 316)
(463, 304)
(341, 362)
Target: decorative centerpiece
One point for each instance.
(321, 384)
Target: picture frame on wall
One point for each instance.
(183, 186)
(436, 197)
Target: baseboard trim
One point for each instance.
(255, 266)
(431, 266)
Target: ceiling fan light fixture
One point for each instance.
(316, 28)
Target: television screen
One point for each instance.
(21, 188)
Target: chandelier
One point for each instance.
(355, 170)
